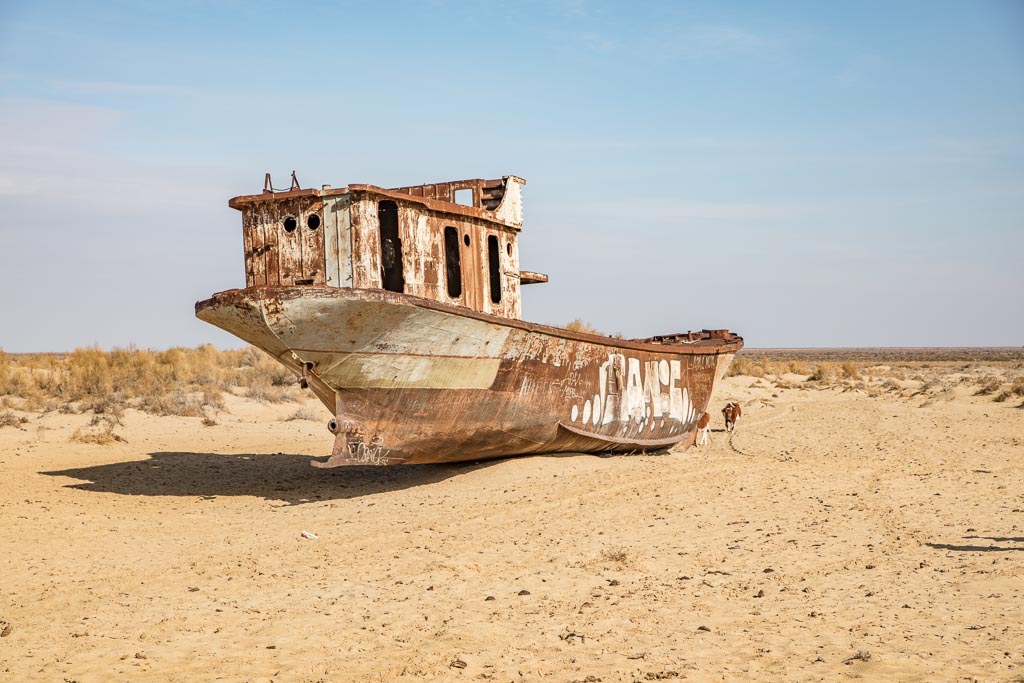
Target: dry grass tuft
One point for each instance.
(1016, 388)
(183, 403)
(580, 326)
(9, 419)
(989, 385)
(742, 366)
(824, 373)
(797, 369)
(100, 431)
(100, 438)
(616, 555)
(303, 414)
(5, 371)
(850, 371)
(271, 394)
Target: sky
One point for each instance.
(805, 174)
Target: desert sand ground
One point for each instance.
(834, 535)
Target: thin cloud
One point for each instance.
(117, 88)
(592, 40)
(54, 152)
(671, 210)
(719, 41)
(573, 8)
(725, 37)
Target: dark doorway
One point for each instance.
(392, 278)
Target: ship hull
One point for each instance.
(412, 380)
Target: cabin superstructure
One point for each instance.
(453, 242)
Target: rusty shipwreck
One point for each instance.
(400, 309)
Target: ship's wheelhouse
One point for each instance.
(454, 242)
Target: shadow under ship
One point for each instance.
(400, 309)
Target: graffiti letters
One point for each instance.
(372, 453)
(642, 392)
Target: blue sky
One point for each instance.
(806, 174)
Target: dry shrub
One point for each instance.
(25, 384)
(824, 373)
(100, 438)
(281, 376)
(270, 394)
(989, 384)
(891, 385)
(183, 403)
(745, 367)
(112, 405)
(100, 431)
(89, 374)
(616, 555)
(797, 369)
(258, 370)
(177, 402)
(1017, 388)
(9, 419)
(1002, 396)
(580, 326)
(5, 372)
(739, 366)
(303, 414)
(850, 371)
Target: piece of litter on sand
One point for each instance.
(310, 535)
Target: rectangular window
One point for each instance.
(452, 262)
(494, 265)
(464, 197)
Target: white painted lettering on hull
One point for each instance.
(645, 393)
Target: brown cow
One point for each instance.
(703, 427)
(732, 412)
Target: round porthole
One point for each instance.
(313, 221)
(465, 240)
(290, 224)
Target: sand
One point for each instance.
(835, 535)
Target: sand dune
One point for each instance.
(835, 535)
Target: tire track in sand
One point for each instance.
(791, 410)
